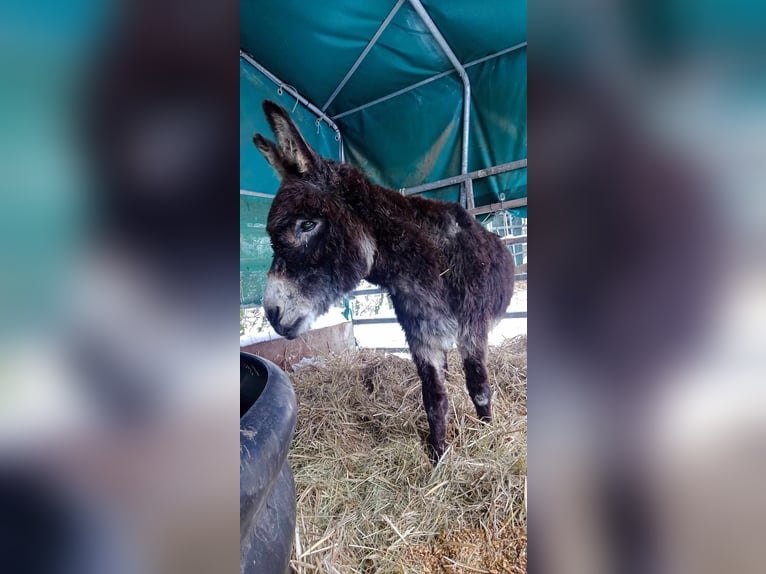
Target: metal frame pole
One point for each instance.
(294, 93)
(512, 204)
(385, 320)
(255, 194)
(478, 174)
(421, 11)
(364, 53)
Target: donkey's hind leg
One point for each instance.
(429, 365)
(473, 350)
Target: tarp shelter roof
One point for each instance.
(415, 137)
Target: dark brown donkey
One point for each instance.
(331, 227)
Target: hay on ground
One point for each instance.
(369, 500)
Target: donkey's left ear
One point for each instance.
(273, 155)
(291, 144)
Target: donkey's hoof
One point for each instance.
(435, 453)
(484, 414)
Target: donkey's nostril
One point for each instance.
(273, 314)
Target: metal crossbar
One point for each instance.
(512, 204)
(364, 53)
(389, 320)
(478, 174)
(294, 93)
(256, 194)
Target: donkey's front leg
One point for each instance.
(429, 365)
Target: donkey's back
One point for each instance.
(441, 259)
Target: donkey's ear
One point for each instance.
(292, 146)
(272, 154)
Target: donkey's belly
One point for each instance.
(425, 317)
(432, 332)
(439, 334)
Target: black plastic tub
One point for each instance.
(266, 486)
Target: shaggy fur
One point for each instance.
(330, 227)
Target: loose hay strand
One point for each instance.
(369, 500)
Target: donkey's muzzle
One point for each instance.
(288, 331)
(286, 308)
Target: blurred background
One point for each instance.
(119, 150)
(647, 404)
(119, 287)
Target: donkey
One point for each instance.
(449, 279)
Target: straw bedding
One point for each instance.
(369, 500)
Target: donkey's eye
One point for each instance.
(308, 225)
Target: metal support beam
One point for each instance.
(364, 53)
(393, 94)
(294, 93)
(512, 204)
(520, 276)
(375, 291)
(516, 315)
(469, 201)
(424, 16)
(478, 174)
(438, 76)
(389, 349)
(256, 194)
(514, 239)
(497, 54)
(375, 321)
(391, 320)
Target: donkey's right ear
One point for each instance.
(272, 154)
